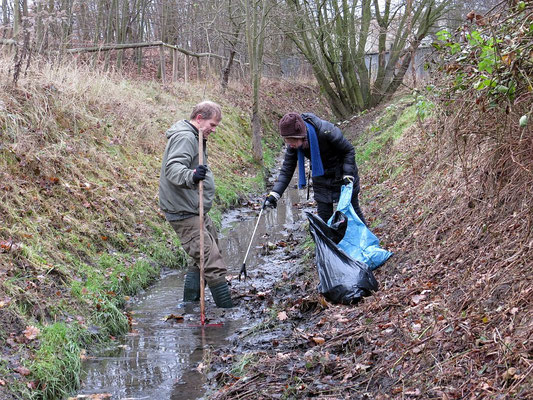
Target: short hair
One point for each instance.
(208, 110)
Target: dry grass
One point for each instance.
(81, 228)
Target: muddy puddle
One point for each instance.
(162, 359)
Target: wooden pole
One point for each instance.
(198, 66)
(174, 65)
(186, 68)
(201, 211)
(162, 60)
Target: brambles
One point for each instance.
(490, 58)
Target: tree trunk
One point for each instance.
(227, 70)
(16, 19)
(5, 15)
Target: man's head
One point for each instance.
(293, 130)
(206, 116)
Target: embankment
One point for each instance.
(81, 230)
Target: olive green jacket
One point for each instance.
(178, 194)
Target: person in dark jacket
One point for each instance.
(332, 162)
(179, 200)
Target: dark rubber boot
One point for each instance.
(221, 294)
(191, 287)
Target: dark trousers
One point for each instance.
(325, 210)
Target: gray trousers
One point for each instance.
(188, 231)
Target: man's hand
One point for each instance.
(347, 179)
(271, 200)
(199, 173)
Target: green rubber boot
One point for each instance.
(191, 287)
(221, 294)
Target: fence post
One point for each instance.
(186, 68)
(174, 65)
(162, 59)
(198, 68)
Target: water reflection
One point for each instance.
(158, 359)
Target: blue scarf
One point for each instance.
(316, 162)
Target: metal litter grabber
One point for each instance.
(243, 268)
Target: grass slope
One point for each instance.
(81, 229)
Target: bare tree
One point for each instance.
(231, 37)
(335, 35)
(257, 12)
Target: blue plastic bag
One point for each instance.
(359, 242)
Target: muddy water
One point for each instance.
(162, 359)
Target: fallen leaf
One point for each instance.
(418, 349)
(319, 340)
(175, 317)
(32, 385)
(323, 302)
(416, 299)
(362, 367)
(282, 315)
(4, 302)
(346, 377)
(22, 370)
(31, 332)
(509, 374)
(200, 368)
(6, 245)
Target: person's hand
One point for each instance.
(199, 173)
(271, 200)
(347, 179)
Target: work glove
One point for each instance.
(199, 173)
(271, 200)
(347, 179)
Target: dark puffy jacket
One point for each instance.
(338, 159)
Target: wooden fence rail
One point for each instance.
(162, 46)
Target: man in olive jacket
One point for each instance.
(332, 162)
(179, 200)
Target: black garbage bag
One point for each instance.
(342, 279)
(337, 230)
